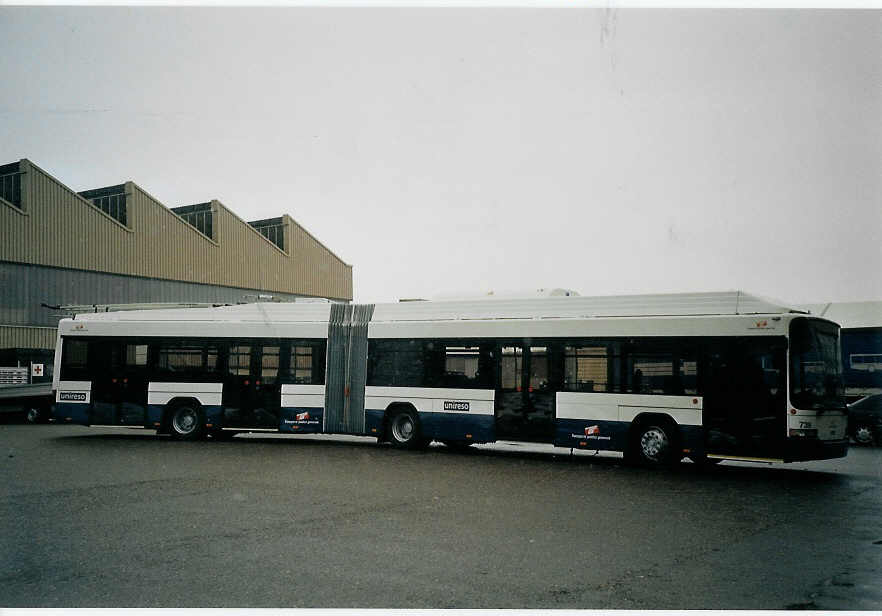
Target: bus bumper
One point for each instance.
(797, 450)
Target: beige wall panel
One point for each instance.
(61, 229)
(322, 272)
(27, 337)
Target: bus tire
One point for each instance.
(38, 413)
(186, 422)
(404, 429)
(654, 443)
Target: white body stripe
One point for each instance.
(303, 396)
(72, 391)
(430, 399)
(685, 410)
(208, 394)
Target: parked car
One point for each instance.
(865, 420)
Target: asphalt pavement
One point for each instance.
(116, 517)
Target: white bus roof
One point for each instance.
(681, 304)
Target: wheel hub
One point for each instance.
(654, 444)
(403, 428)
(185, 421)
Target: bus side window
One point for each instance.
(585, 368)
(651, 373)
(239, 360)
(396, 363)
(269, 364)
(460, 366)
(186, 360)
(302, 364)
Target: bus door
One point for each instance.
(131, 385)
(745, 398)
(103, 355)
(524, 404)
(119, 388)
(252, 395)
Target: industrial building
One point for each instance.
(118, 244)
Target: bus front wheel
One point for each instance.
(186, 422)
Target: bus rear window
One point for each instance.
(74, 360)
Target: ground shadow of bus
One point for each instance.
(471, 457)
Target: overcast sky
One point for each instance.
(455, 150)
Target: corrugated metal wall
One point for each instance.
(59, 228)
(24, 287)
(12, 337)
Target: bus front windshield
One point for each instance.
(815, 368)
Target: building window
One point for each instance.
(10, 187)
(272, 229)
(110, 200)
(199, 216)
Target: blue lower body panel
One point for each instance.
(613, 435)
(213, 415)
(442, 426)
(373, 422)
(72, 412)
(592, 434)
(692, 438)
(458, 427)
(154, 414)
(301, 420)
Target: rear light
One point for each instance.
(804, 432)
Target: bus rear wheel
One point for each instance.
(653, 444)
(404, 430)
(186, 422)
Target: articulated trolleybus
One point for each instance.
(707, 376)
